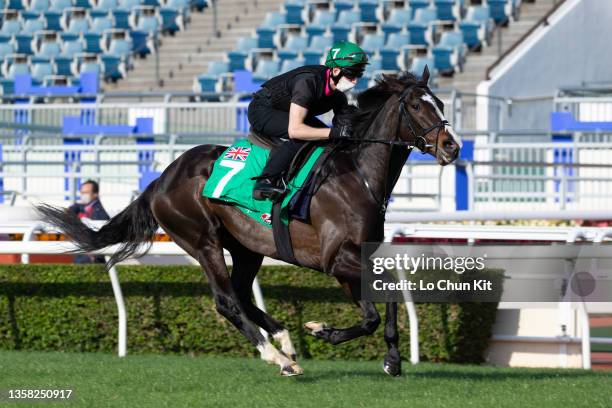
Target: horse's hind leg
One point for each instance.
(246, 265)
(393, 362)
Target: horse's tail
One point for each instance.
(132, 228)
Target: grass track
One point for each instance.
(103, 380)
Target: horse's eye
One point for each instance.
(416, 107)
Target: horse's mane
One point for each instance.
(371, 101)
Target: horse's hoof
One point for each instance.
(392, 368)
(291, 370)
(315, 327)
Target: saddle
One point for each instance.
(299, 206)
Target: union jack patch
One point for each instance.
(267, 218)
(237, 153)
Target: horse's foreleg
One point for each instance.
(368, 325)
(393, 362)
(246, 265)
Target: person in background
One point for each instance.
(90, 207)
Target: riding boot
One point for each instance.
(267, 183)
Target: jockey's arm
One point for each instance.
(299, 130)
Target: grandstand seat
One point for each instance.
(60, 5)
(421, 27)
(82, 3)
(288, 65)
(319, 45)
(151, 3)
(122, 19)
(92, 42)
(293, 47)
(144, 18)
(321, 21)
(29, 15)
(209, 82)
(371, 71)
(418, 65)
(6, 48)
(112, 67)
(174, 14)
(385, 8)
(74, 20)
(501, 10)
(40, 68)
(265, 70)
(238, 56)
(119, 44)
(477, 26)
(38, 5)
(449, 10)
(31, 26)
(368, 8)
(14, 5)
(15, 64)
(371, 43)
(397, 20)
(340, 30)
(100, 24)
(72, 47)
(128, 4)
(390, 52)
(53, 19)
(46, 44)
(266, 32)
(342, 5)
(11, 24)
(24, 43)
(105, 5)
(87, 63)
(55, 80)
(293, 12)
(417, 4)
(449, 53)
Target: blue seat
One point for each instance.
(218, 68)
(265, 70)
(24, 43)
(105, 5)
(293, 47)
(206, 84)
(209, 81)
(122, 19)
(501, 10)
(174, 15)
(15, 5)
(119, 44)
(129, 4)
(76, 24)
(6, 48)
(418, 4)
(15, 64)
(60, 5)
(266, 31)
(477, 26)
(10, 27)
(449, 10)
(88, 63)
(367, 8)
(238, 56)
(420, 28)
(318, 46)
(32, 26)
(321, 21)
(289, 65)
(82, 3)
(101, 24)
(293, 12)
(391, 51)
(146, 20)
(92, 42)
(371, 71)
(39, 5)
(40, 68)
(152, 3)
(52, 19)
(342, 5)
(418, 65)
(47, 46)
(371, 43)
(112, 67)
(449, 53)
(72, 47)
(397, 20)
(340, 30)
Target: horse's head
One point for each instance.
(422, 122)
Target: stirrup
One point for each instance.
(265, 188)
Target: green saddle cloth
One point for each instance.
(231, 182)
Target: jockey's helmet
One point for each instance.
(347, 56)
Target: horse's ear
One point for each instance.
(425, 76)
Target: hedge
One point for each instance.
(170, 310)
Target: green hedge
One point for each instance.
(169, 308)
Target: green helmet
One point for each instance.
(347, 56)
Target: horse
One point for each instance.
(348, 209)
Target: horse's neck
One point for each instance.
(381, 163)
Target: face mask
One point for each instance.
(344, 85)
(85, 199)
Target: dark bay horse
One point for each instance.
(347, 210)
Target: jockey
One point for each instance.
(287, 105)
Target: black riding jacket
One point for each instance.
(305, 86)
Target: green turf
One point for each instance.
(102, 380)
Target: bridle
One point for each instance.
(420, 142)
